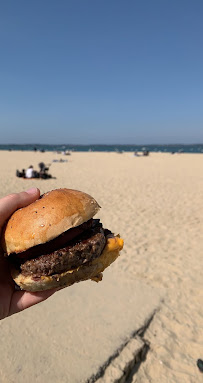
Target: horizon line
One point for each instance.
(96, 144)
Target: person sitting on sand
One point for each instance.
(20, 174)
(43, 173)
(41, 166)
(30, 173)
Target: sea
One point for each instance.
(173, 148)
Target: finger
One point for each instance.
(12, 202)
(21, 300)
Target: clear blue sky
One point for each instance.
(108, 71)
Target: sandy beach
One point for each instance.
(156, 204)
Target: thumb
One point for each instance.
(12, 202)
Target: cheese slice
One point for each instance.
(114, 243)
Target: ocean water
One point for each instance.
(195, 148)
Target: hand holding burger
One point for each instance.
(13, 301)
(55, 241)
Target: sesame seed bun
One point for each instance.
(45, 219)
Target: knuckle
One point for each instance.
(12, 197)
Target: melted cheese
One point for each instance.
(114, 243)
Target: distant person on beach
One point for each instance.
(13, 301)
(30, 173)
(43, 171)
(41, 166)
(20, 174)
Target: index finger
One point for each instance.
(14, 201)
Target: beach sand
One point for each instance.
(156, 204)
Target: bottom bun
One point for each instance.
(92, 270)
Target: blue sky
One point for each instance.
(103, 71)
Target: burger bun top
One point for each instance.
(45, 219)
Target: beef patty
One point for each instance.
(80, 250)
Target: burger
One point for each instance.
(55, 241)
